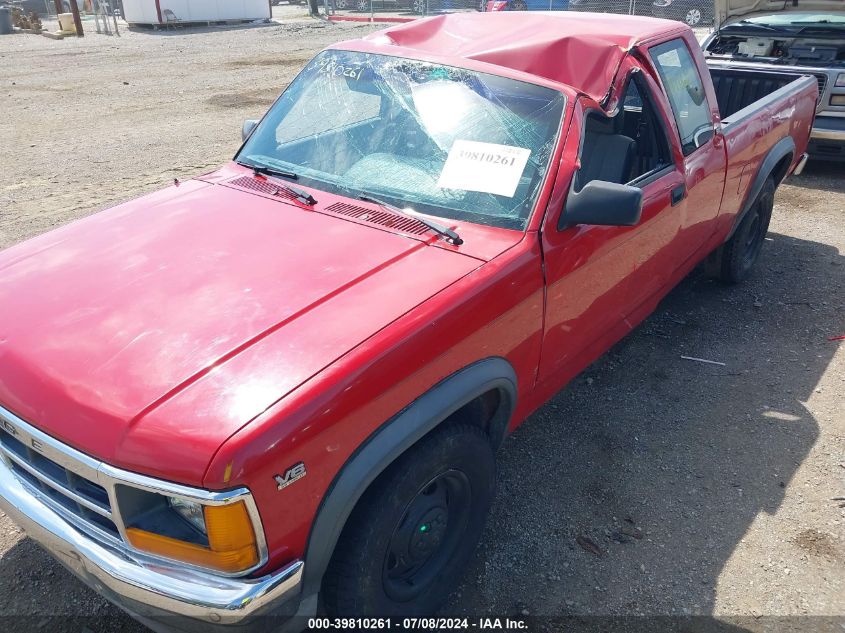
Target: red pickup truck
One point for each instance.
(278, 388)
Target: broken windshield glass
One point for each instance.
(448, 141)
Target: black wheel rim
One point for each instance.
(753, 241)
(427, 535)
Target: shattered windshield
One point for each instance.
(446, 141)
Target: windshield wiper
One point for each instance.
(818, 27)
(264, 170)
(449, 234)
(267, 170)
(821, 22)
(747, 24)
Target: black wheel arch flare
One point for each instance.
(392, 439)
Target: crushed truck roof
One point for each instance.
(581, 50)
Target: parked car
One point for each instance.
(693, 12)
(807, 38)
(282, 383)
(635, 7)
(527, 5)
(366, 6)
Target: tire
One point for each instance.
(342, 4)
(518, 5)
(739, 253)
(408, 540)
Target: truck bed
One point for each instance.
(759, 110)
(738, 89)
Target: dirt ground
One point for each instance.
(652, 485)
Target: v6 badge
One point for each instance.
(297, 471)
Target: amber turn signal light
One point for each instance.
(231, 547)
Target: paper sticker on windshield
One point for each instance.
(484, 167)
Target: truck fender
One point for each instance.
(392, 439)
(780, 150)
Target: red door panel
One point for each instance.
(596, 275)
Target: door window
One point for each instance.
(629, 147)
(683, 86)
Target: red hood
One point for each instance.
(110, 317)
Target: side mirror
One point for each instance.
(605, 203)
(246, 130)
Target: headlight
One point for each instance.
(840, 81)
(191, 511)
(217, 537)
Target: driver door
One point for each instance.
(601, 280)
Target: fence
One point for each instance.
(693, 12)
(47, 8)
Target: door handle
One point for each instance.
(678, 194)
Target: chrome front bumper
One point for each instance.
(162, 595)
(828, 128)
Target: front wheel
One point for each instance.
(738, 254)
(408, 540)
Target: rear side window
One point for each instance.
(683, 86)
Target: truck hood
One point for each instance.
(727, 9)
(109, 318)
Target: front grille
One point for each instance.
(64, 488)
(822, 79)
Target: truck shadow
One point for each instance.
(628, 493)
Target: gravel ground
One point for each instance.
(651, 485)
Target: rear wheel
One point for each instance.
(739, 254)
(519, 5)
(408, 539)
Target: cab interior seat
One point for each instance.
(607, 154)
